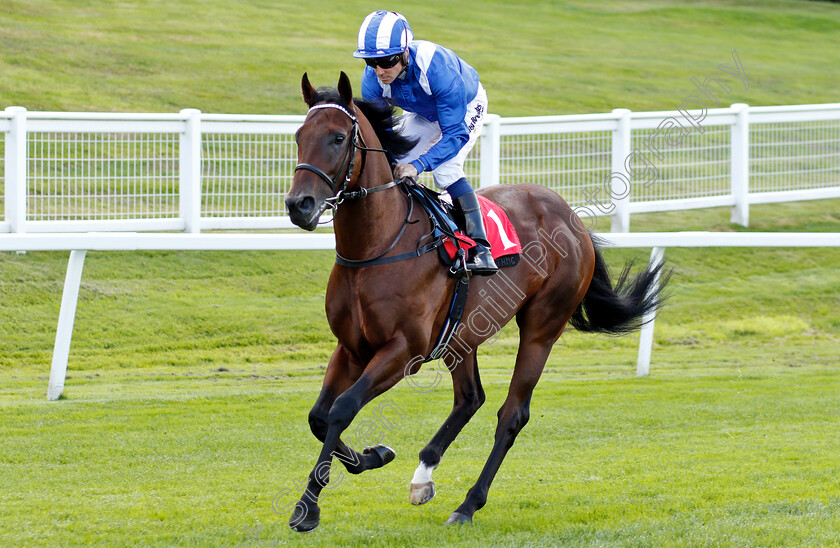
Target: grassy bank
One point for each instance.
(552, 58)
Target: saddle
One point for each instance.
(447, 223)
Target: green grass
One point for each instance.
(726, 457)
(191, 376)
(551, 58)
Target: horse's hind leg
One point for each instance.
(513, 416)
(537, 334)
(469, 395)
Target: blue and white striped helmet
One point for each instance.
(383, 33)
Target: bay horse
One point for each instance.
(388, 314)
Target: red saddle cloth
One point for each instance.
(500, 232)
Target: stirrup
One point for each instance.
(486, 268)
(459, 267)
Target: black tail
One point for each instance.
(619, 310)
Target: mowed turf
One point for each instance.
(192, 374)
(554, 57)
(727, 457)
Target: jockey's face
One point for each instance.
(386, 76)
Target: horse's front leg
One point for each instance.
(385, 370)
(343, 370)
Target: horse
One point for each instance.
(386, 313)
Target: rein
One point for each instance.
(340, 194)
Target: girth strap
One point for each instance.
(453, 318)
(385, 260)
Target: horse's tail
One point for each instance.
(619, 309)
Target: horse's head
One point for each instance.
(326, 151)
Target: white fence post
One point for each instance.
(66, 318)
(619, 189)
(646, 335)
(740, 164)
(16, 170)
(490, 151)
(190, 171)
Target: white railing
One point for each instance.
(80, 172)
(79, 244)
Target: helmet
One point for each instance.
(383, 33)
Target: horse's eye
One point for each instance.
(339, 139)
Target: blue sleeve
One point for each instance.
(450, 96)
(371, 90)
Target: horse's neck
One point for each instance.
(365, 226)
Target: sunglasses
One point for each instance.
(384, 62)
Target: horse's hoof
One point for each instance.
(421, 493)
(457, 517)
(305, 518)
(385, 454)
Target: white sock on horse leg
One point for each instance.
(423, 474)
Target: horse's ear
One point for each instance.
(345, 89)
(308, 90)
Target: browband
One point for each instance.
(332, 105)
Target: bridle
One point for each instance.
(347, 165)
(340, 194)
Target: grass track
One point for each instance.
(723, 458)
(191, 375)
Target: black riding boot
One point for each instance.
(480, 261)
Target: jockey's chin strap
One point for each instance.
(340, 192)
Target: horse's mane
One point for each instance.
(381, 116)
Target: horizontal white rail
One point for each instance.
(722, 239)
(99, 125)
(794, 195)
(113, 225)
(679, 205)
(107, 241)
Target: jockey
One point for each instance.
(444, 106)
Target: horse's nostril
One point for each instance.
(307, 204)
(302, 205)
(301, 210)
